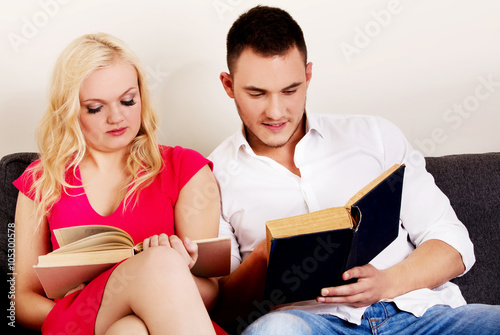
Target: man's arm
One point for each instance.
(430, 265)
(242, 287)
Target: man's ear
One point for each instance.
(227, 83)
(309, 67)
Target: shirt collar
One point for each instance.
(312, 126)
(240, 141)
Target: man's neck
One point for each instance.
(285, 154)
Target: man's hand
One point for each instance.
(431, 264)
(372, 286)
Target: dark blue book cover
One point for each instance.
(301, 265)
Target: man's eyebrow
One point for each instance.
(257, 89)
(292, 86)
(254, 88)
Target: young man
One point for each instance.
(287, 162)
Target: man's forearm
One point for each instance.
(430, 265)
(240, 289)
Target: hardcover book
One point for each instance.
(87, 251)
(311, 251)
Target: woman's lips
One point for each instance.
(117, 131)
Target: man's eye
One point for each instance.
(289, 92)
(259, 94)
(130, 102)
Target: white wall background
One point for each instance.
(431, 67)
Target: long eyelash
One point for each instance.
(94, 110)
(128, 103)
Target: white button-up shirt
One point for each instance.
(338, 155)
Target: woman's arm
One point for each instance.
(197, 215)
(32, 240)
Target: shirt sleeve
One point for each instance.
(186, 164)
(225, 229)
(426, 212)
(25, 181)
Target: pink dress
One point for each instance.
(152, 215)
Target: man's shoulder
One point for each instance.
(346, 121)
(227, 150)
(334, 118)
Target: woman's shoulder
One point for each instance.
(178, 154)
(183, 163)
(24, 182)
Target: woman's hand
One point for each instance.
(188, 250)
(155, 241)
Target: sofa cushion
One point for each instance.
(11, 167)
(472, 183)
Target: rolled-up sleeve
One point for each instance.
(426, 212)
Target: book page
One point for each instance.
(84, 258)
(322, 220)
(102, 241)
(69, 235)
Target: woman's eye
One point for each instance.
(130, 102)
(94, 110)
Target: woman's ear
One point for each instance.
(227, 83)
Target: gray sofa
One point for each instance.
(471, 181)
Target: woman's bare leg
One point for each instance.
(157, 286)
(128, 325)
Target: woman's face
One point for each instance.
(110, 113)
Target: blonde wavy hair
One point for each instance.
(61, 142)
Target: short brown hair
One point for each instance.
(268, 31)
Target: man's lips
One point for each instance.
(117, 131)
(275, 126)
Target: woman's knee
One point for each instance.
(162, 263)
(130, 324)
(153, 268)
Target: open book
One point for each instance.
(87, 251)
(311, 251)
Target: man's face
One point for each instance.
(270, 95)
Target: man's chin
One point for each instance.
(276, 144)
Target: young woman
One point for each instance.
(100, 164)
